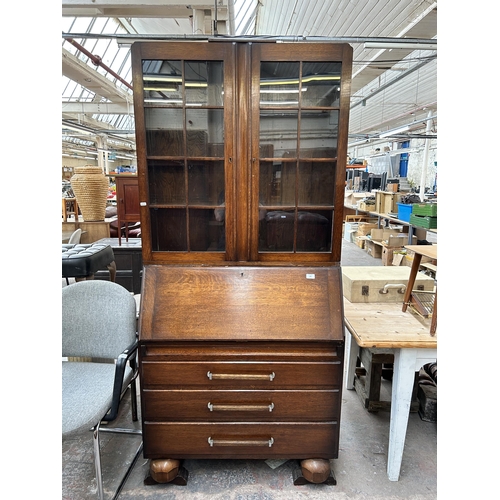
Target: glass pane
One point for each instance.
(318, 134)
(164, 132)
(276, 231)
(321, 83)
(278, 133)
(279, 84)
(206, 183)
(162, 81)
(166, 183)
(205, 132)
(205, 232)
(168, 230)
(314, 231)
(204, 83)
(288, 183)
(277, 183)
(316, 183)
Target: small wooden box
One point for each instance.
(364, 283)
(386, 202)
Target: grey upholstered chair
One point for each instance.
(99, 325)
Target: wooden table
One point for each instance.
(407, 336)
(420, 251)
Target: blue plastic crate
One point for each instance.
(404, 211)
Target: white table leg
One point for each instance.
(352, 351)
(402, 387)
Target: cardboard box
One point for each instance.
(383, 234)
(366, 207)
(363, 283)
(351, 198)
(398, 259)
(400, 240)
(365, 228)
(408, 261)
(389, 254)
(373, 248)
(359, 241)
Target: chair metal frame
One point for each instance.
(129, 355)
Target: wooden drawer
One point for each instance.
(238, 440)
(242, 351)
(243, 375)
(234, 406)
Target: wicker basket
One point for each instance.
(90, 186)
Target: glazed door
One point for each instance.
(241, 150)
(183, 110)
(299, 150)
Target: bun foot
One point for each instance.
(313, 470)
(166, 470)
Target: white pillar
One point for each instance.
(423, 178)
(102, 149)
(198, 22)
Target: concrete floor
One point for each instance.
(360, 469)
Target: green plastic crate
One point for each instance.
(429, 209)
(423, 221)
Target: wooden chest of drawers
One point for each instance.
(241, 362)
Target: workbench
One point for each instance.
(408, 337)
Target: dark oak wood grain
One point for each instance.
(241, 324)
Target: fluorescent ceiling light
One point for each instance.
(278, 103)
(164, 101)
(399, 130)
(160, 78)
(307, 79)
(412, 46)
(283, 91)
(162, 89)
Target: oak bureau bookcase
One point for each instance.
(241, 151)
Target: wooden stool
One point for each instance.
(67, 205)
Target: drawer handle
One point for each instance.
(236, 407)
(240, 376)
(249, 442)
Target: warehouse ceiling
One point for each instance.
(394, 86)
